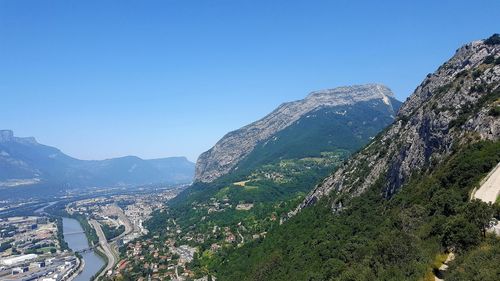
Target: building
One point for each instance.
(18, 270)
(18, 259)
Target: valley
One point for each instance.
(250, 140)
(305, 203)
(107, 221)
(308, 166)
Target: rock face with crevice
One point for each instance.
(236, 145)
(459, 103)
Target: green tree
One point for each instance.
(460, 234)
(479, 213)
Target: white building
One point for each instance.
(17, 259)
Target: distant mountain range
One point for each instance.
(25, 162)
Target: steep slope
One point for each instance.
(271, 179)
(227, 153)
(343, 127)
(395, 206)
(456, 103)
(23, 162)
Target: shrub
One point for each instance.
(460, 234)
(495, 111)
(489, 59)
(493, 40)
(477, 73)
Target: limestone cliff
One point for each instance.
(236, 145)
(456, 104)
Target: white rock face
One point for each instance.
(6, 135)
(234, 146)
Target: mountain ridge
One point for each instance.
(25, 161)
(445, 108)
(404, 200)
(236, 145)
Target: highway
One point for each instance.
(108, 251)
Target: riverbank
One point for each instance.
(92, 262)
(81, 265)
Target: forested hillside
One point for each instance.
(399, 205)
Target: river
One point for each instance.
(76, 239)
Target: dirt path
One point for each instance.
(444, 266)
(490, 188)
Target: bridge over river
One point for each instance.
(72, 233)
(86, 250)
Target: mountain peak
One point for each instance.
(454, 105)
(8, 136)
(346, 95)
(236, 145)
(365, 90)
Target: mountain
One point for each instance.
(25, 162)
(340, 118)
(253, 177)
(397, 208)
(136, 171)
(456, 103)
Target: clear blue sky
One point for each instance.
(101, 79)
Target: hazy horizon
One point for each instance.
(169, 78)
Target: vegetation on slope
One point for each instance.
(272, 189)
(112, 232)
(376, 238)
(282, 169)
(479, 264)
(347, 127)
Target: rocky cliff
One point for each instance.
(236, 145)
(458, 103)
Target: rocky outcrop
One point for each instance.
(8, 136)
(458, 103)
(236, 145)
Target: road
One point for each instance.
(490, 188)
(489, 191)
(105, 246)
(42, 209)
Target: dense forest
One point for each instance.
(401, 238)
